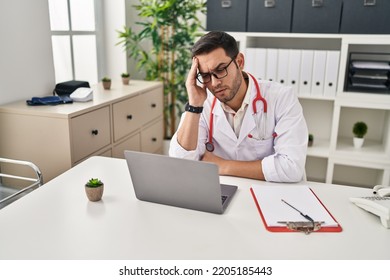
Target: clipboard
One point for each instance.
(281, 216)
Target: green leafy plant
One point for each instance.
(360, 129)
(94, 183)
(106, 79)
(125, 75)
(172, 26)
(311, 139)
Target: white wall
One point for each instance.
(114, 19)
(26, 60)
(26, 46)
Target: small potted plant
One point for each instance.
(311, 139)
(125, 78)
(94, 189)
(106, 83)
(359, 131)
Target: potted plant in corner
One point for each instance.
(125, 78)
(94, 189)
(311, 140)
(106, 82)
(172, 28)
(359, 130)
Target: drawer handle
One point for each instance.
(154, 105)
(154, 139)
(129, 117)
(95, 132)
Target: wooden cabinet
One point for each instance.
(331, 112)
(126, 117)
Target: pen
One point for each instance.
(303, 215)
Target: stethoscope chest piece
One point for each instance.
(209, 146)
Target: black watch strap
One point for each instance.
(193, 109)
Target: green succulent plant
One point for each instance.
(94, 183)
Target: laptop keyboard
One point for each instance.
(224, 197)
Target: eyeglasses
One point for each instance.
(205, 78)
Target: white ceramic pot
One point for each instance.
(358, 142)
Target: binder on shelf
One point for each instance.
(255, 62)
(319, 64)
(305, 76)
(282, 68)
(261, 61)
(250, 60)
(292, 208)
(331, 73)
(294, 69)
(271, 65)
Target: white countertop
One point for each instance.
(58, 222)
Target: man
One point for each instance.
(245, 135)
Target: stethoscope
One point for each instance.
(260, 128)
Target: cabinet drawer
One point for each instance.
(90, 132)
(365, 17)
(128, 116)
(133, 143)
(316, 16)
(152, 102)
(152, 138)
(272, 17)
(227, 15)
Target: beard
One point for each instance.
(226, 93)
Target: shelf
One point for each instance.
(363, 100)
(316, 169)
(320, 148)
(371, 151)
(318, 97)
(330, 115)
(357, 176)
(319, 115)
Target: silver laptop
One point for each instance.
(178, 182)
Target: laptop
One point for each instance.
(178, 182)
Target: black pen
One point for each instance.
(303, 215)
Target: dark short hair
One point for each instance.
(214, 40)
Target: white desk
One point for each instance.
(58, 222)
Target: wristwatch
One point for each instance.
(192, 109)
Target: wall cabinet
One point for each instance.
(331, 112)
(55, 138)
(300, 16)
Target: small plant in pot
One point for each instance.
(359, 131)
(94, 189)
(125, 78)
(106, 83)
(311, 139)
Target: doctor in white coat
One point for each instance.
(249, 128)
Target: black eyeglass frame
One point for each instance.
(200, 76)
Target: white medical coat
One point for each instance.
(283, 157)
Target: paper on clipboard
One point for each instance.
(273, 210)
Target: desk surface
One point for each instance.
(58, 222)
